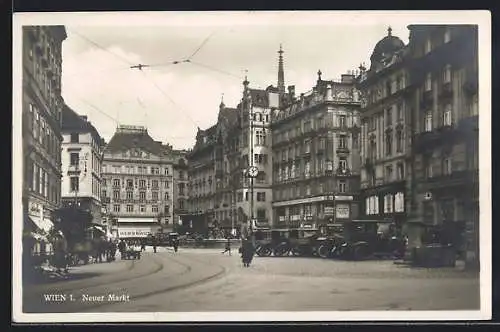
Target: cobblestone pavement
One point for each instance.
(206, 280)
(290, 283)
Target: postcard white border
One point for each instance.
(480, 17)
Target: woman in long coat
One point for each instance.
(247, 252)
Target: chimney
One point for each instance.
(347, 78)
(291, 91)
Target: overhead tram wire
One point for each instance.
(99, 110)
(100, 47)
(169, 98)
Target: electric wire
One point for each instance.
(100, 47)
(168, 97)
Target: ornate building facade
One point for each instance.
(386, 132)
(42, 107)
(137, 183)
(444, 73)
(316, 155)
(81, 157)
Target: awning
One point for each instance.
(38, 237)
(100, 228)
(45, 224)
(137, 220)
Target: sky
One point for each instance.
(173, 100)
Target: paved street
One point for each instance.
(206, 280)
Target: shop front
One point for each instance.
(137, 231)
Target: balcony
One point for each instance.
(342, 150)
(446, 91)
(426, 100)
(74, 169)
(459, 178)
(343, 172)
(429, 140)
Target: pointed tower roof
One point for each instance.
(281, 72)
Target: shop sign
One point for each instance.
(329, 210)
(344, 198)
(129, 232)
(342, 211)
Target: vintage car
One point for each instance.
(263, 242)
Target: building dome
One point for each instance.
(388, 45)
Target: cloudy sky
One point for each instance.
(172, 100)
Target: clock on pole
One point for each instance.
(253, 171)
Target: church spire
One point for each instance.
(281, 73)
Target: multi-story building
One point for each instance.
(42, 106)
(316, 155)
(385, 132)
(137, 183)
(81, 157)
(201, 177)
(180, 183)
(444, 73)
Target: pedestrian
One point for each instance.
(121, 248)
(176, 245)
(228, 247)
(155, 243)
(247, 252)
(143, 245)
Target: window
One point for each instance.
(428, 167)
(428, 46)
(261, 214)
(142, 183)
(154, 195)
(447, 166)
(181, 188)
(154, 208)
(342, 186)
(116, 208)
(74, 159)
(399, 202)
(343, 164)
(130, 194)
(103, 193)
(401, 171)
(388, 117)
(74, 137)
(142, 208)
(428, 121)
(116, 182)
(342, 141)
(130, 183)
(240, 197)
(447, 74)
(167, 196)
(181, 204)
(388, 203)
(388, 88)
(142, 195)
(428, 82)
(116, 194)
(388, 173)
(447, 35)
(342, 121)
(388, 144)
(74, 184)
(399, 141)
(447, 115)
(154, 183)
(130, 208)
(260, 137)
(246, 195)
(261, 196)
(307, 169)
(166, 209)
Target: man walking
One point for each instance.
(228, 247)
